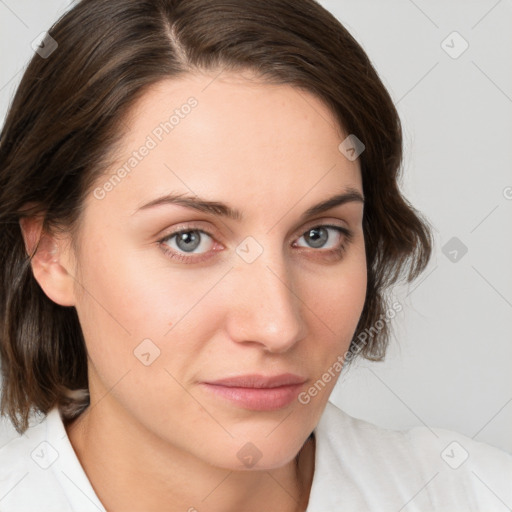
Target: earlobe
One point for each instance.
(50, 261)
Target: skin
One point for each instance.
(153, 437)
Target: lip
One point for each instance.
(258, 392)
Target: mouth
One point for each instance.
(257, 392)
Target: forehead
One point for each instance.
(228, 137)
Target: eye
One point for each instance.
(187, 241)
(194, 245)
(318, 236)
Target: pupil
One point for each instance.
(188, 241)
(315, 239)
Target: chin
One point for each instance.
(258, 452)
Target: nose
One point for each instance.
(265, 308)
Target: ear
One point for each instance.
(52, 263)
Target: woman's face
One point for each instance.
(262, 293)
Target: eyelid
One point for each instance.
(326, 254)
(185, 226)
(199, 226)
(322, 222)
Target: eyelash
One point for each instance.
(336, 253)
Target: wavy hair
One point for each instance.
(65, 118)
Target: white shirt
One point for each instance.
(358, 467)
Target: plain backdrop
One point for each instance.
(447, 67)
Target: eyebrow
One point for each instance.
(223, 210)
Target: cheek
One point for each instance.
(133, 295)
(333, 303)
(338, 293)
(345, 293)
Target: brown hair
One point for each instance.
(65, 119)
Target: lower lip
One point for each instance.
(257, 399)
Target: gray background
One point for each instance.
(449, 362)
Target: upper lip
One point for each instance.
(259, 381)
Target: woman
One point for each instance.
(202, 218)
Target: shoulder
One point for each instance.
(25, 483)
(437, 469)
(39, 470)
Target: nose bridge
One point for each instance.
(266, 309)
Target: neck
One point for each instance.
(132, 469)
